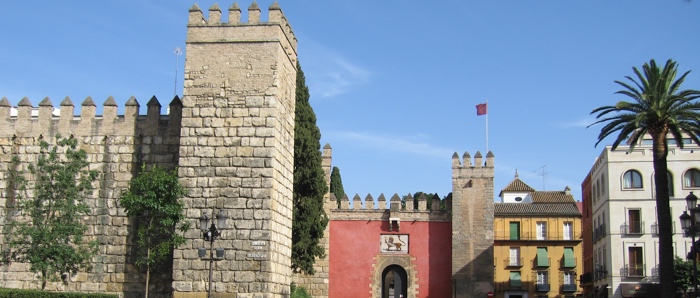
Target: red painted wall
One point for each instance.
(354, 244)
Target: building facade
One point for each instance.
(624, 223)
(538, 244)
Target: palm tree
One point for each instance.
(660, 109)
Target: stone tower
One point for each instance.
(236, 151)
(472, 225)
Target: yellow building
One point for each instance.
(538, 244)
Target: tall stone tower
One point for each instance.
(472, 225)
(236, 151)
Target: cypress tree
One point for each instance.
(337, 184)
(309, 220)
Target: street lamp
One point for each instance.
(688, 223)
(210, 233)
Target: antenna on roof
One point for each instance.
(544, 176)
(177, 53)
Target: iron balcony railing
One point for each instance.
(586, 278)
(632, 228)
(633, 270)
(655, 229)
(513, 262)
(552, 236)
(601, 272)
(568, 288)
(542, 287)
(599, 233)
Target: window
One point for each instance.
(569, 278)
(631, 180)
(669, 179)
(691, 178)
(635, 265)
(602, 183)
(514, 230)
(541, 277)
(634, 222)
(568, 230)
(541, 230)
(542, 281)
(515, 279)
(514, 256)
(542, 257)
(518, 199)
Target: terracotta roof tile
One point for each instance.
(552, 197)
(504, 209)
(518, 185)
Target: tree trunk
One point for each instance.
(663, 213)
(148, 269)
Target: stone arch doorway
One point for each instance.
(394, 282)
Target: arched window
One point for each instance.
(632, 179)
(691, 178)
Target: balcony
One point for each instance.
(586, 278)
(655, 271)
(568, 288)
(655, 229)
(511, 285)
(542, 287)
(632, 228)
(600, 273)
(513, 262)
(503, 235)
(599, 233)
(633, 270)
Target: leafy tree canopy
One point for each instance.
(337, 185)
(47, 231)
(153, 204)
(658, 108)
(309, 220)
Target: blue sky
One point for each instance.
(394, 83)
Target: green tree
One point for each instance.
(153, 204)
(337, 185)
(309, 220)
(660, 109)
(683, 274)
(47, 231)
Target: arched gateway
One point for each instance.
(394, 282)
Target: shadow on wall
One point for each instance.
(476, 278)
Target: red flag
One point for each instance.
(481, 109)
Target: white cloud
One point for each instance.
(329, 73)
(416, 144)
(576, 123)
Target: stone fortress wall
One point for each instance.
(116, 146)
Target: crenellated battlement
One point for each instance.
(466, 161)
(46, 120)
(384, 208)
(202, 29)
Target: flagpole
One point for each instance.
(487, 128)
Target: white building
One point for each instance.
(625, 239)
